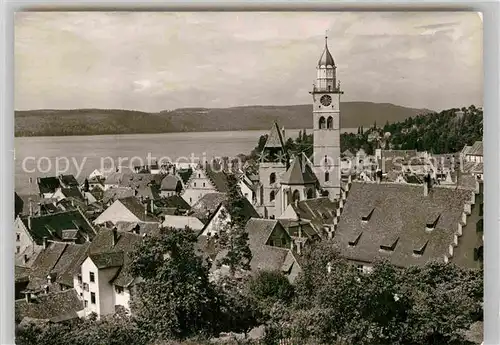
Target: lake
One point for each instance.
(80, 155)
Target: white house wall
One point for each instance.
(216, 223)
(198, 186)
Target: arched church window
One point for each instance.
(310, 193)
(272, 178)
(322, 122)
(296, 195)
(329, 123)
(327, 176)
(271, 196)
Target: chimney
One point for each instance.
(31, 207)
(45, 242)
(152, 206)
(283, 131)
(27, 295)
(299, 245)
(115, 237)
(300, 230)
(29, 222)
(25, 258)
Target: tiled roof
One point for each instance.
(107, 260)
(35, 198)
(173, 201)
(74, 265)
(476, 149)
(48, 184)
(114, 194)
(103, 242)
(44, 264)
(390, 214)
(136, 208)
(68, 180)
(466, 149)
(52, 226)
(125, 244)
(307, 229)
(169, 183)
(207, 204)
(299, 173)
(217, 177)
(143, 227)
(185, 174)
(205, 208)
(318, 210)
(114, 178)
(275, 138)
(148, 192)
(133, 180)
(72, 192)
(21, 274)
(18, 204)
(50, 306)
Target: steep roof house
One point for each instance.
(209, 178)
(105, 282)
(272, 249)
(127, 210)
(171, 185)
(69, 226)
(405, 224)
(211, 210)
(53, 307)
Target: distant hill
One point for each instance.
(111, 121)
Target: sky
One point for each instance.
(153, 61)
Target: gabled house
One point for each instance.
(70, 227)
(204, 180)
(406, 224)
(170, 185)
(211, 211)
(271, 247)
(181, 222)
(321, 214)
(53, 307)
(128, 209)
(103, 279)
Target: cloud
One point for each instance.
(154, 61)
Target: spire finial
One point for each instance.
(326, 35)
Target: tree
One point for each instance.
(268, 288)
(234, 238)
(174, 298)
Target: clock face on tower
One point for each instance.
(326, 100)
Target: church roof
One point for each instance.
(326, 58)
(299, 173)
(275, 138)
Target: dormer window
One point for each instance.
(390, 245)
(365, 217)
(432, 221)
(355, 241)
(419, 250)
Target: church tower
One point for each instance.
(326, 125)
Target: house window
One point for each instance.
(81, 294)
(203, 184)
(18, 236)
(92, 277)
(271, 196)
(92, 297)
(195, 184)
(119, 289)
(329, 123)
(271, 243)
(18, 250)
(86, 303)
(272, 178)
(283, 241)
(327, 176)
(199, 175)
(79, 278)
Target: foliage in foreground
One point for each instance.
(331, 302)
